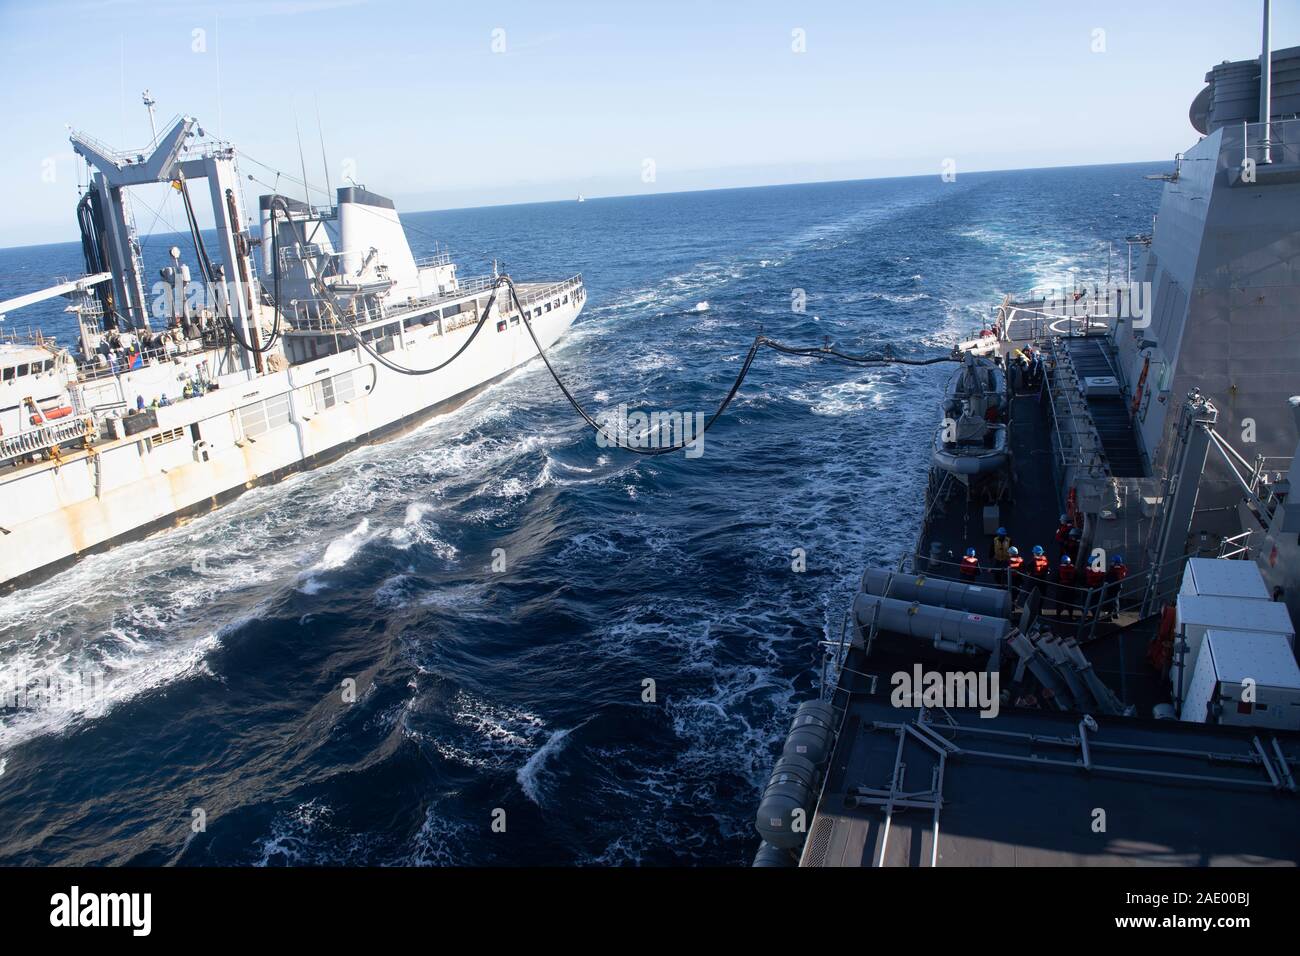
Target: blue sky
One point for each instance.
(417, 105)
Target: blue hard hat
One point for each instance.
(1064, 518)
(970, 552)
(1013, 551)
(1038, 549)
(1074, 532)
(1065, 559)
(1002, 531)
(1117, 559)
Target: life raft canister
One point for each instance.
(63, 411)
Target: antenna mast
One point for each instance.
(150, 102)
(329, 192)
(1265, 84)
(302, 162)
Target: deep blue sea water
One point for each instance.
(522, 691)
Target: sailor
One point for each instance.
(1094, 575)
(1039, 567)
(1014, 564)
(1065, 586)
(1019, 369)
(1116, 575)
(1063, 531)
(1072, 541)
(1036, 576)
(1000, 549)
(970, 565)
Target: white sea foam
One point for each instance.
(530, 774)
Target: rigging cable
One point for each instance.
(760, 341)
(825, 351)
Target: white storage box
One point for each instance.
(1228, 661)
(1197, 614)
(1100, 385)
(1215, 577)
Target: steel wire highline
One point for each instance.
(825, 351)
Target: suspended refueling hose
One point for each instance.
(760, 341)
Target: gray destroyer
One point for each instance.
(977, 709)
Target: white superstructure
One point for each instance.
(180, 401)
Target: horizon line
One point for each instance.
(698, 189)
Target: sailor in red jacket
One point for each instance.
(970, 565)
(1065, 594)
(1095, 574)
(1063, 531)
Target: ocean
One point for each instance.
(618, 691)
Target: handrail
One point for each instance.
(316, 315)
(1149, 585)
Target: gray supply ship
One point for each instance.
(1139, 703)
(294, 343)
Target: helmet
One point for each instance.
(1002, 532)
(1013, 551)
(1074, 532)
(1117, 559)
(1065, 519)
(970, 552)
(1065, 559)
(1038, 549)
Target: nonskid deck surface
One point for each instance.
(998, 811)
(1015, 791)
(1030, 513)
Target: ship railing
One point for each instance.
(1022, 323)
(120, 365)
(1235, 546)
(1083, 448)
(1274, 465)
(437, 259)
(34, 440)
(129, 156)
(1278, 141)
(28, 335)
(320, 314)
(1140, 594)
(528, 297)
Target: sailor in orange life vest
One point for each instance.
(970, 565)
(1037, 578)
(1065, 596)
(1014, 563)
